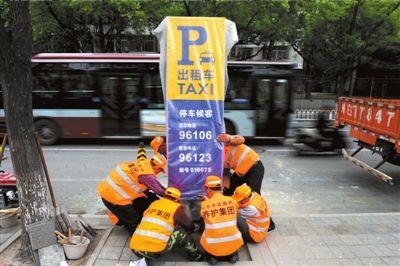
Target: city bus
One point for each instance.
(120, 96)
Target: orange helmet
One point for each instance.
(159, 160)
(173, 193)
(242, 192)
(213, 181)
(156, 143)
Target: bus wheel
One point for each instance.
(47, 131)
(229, 127)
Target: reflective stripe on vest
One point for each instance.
(128, 180)
(263, 220)
(211, 240)
(257, 229)
(242, 156)
(159, 222)
(151, 234)
(220, 225)
(232, 152)
(117, 188)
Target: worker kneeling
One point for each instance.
(125, 191)
(221, 238)
(156, 233)
(254, 214)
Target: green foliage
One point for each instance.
(333, 37)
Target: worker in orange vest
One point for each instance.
(221, 238)
(254, 214)
(157, 232)
(244, 161)
(158, 145)
(125, 191)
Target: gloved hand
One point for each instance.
(223, 137)
(201, 197)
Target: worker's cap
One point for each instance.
(156, 143)
(242, 192)
(173, 193)
(160, 161)
(213, 181)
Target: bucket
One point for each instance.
(74, 252)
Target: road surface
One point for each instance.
(292, 185)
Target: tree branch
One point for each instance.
(251, 20)
(55, 16)
(188, 12)
(253, 55)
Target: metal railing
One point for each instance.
(312, 114)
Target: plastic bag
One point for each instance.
(141, 262)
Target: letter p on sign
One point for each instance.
(186, 42)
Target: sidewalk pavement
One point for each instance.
(330, 239)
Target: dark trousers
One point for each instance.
(131, 215)
(253, 178)
(244, 229)
(178, 239)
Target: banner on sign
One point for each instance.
(194, 78)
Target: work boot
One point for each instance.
(234, 258)
(212, 260)
(196, 257)
(271, 224)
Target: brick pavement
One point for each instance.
(324, 239)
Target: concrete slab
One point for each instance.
(41, 234)
(51, 256)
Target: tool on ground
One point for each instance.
(62, 216)
(86, 226)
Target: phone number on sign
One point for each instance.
(195, 135)
(195, 157)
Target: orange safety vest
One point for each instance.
(240, 158)
(156, 227)
(221, 236)
(258, 226)
(122, 186)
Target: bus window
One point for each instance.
(238, 92)
(46, 88)
(263, 105)
(152, 96)
(280, 95)
(78, 90)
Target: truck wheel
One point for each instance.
(47, 131)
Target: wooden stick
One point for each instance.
(53, 199)
(59, 234)
(80, 241)
(3, 146)
(10, 211)
(69, 234)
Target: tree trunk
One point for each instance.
(16, 81)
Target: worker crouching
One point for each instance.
(157, 233)
(125, 191)
(244, 161)
(221, 238)
(254, 214)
